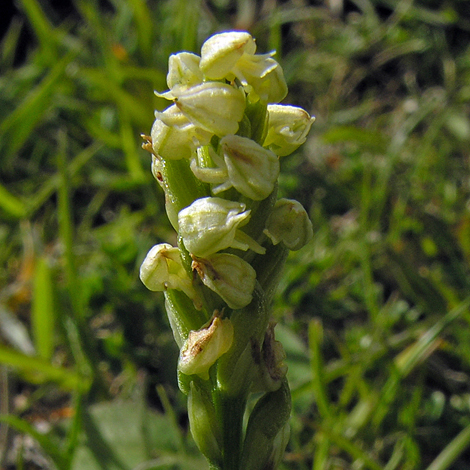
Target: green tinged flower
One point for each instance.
(212, 224)
(229, 276)
(252, 169)
(175, 137)
(221, 52)
(269, 87)
(162, 269)
(232, 55)
(205, 346)
(183, 70)
(213, 106)
(272, 368)
(289, 223)
(287, 128)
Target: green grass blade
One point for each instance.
(43, 312)
(39, 371)
(144, 25)
(11, 204)
(408, 359)
(9, 44)
(18, 126)
(452, 451)
(352, 449)
(41, 25)
(133, 162)
(53, 183)
(315, 336)
(412, 356)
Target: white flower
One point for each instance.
(212, 224)
(232, 55)
(289, 223)
(252, 169)
(174, 136)
(229, 276)
(162, 269)
(288, 127)
(221, 52)
(213, 106)
(183, 70)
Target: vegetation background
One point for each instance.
(373, 313)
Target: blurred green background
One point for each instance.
(373, 313)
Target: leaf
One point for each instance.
(123, 435)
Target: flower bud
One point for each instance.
(289, 223)
(183, 70)
(204, 424)
(213, 106)
(267, 431)
(288, 127)
(252, 169)
(221, 52)
(205, 346)
(229, 276)
(162, 269)
(212, 224)
(272, 368)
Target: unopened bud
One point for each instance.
(272, 368)
(288, 127)
(229, 276)
(212, 224)
(252, 169)
(204, 424)
(289, 223)
(267, 432)
(205, 346)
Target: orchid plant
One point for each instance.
(215, 152)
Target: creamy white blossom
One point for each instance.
(221, 52)
(288, 127)
(213, 106)
(289, 223)
(229, 276)
(183, 70)
(175, 137)
(162, 269)
(212, 224)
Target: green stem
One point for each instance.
(230, 411)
